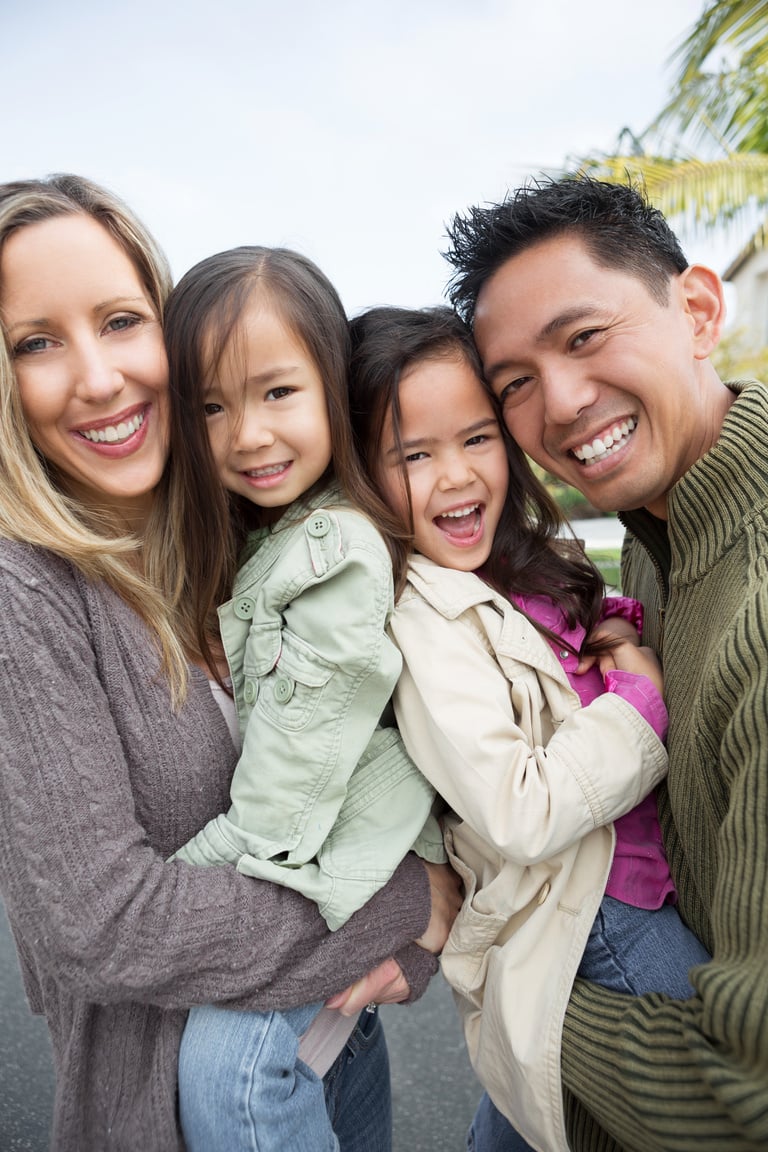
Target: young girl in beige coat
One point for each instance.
(527, 701)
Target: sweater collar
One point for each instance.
(708, 505)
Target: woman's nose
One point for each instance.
(97, 378)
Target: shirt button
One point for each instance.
(564, 653)
(545, 890)
(283, 689)
(318, 525)
(244, 607)
(250, 691)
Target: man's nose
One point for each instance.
(567, 392)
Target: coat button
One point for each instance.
(244, 607)
(318, 525)
(283, 689)
(250, 691)
(546, 888)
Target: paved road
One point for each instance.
(434, 1089)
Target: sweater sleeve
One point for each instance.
(91, 806)
(661, 1074)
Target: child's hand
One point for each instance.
(627, 657)
(614, 628)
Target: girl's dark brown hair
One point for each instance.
(203, 316)
(529, 555)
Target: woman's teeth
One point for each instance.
(115, 433)
(603, 446)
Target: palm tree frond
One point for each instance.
(741, 24)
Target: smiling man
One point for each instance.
(595, 334)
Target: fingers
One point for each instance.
(384, 985)
(447, 896)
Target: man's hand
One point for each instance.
(446, 892)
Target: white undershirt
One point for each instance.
(329, 1031)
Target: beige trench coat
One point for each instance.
(534, 780)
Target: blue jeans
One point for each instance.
(631, 950)
(242, 1086)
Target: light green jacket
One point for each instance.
(324, 798)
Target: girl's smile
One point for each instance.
(266, 413)
(455, 462)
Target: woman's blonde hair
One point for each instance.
(34, 508)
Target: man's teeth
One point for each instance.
(461, 512)
(603, 446)
(114, 433)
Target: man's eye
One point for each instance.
(582, 338)
(512, 393)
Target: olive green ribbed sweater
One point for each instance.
(662, 1074)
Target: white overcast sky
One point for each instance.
(350, 129)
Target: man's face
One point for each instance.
(599, 382)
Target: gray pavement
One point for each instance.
(434, 1089)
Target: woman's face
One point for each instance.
(89, 357)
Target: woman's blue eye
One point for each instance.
(120, 323)
(33, 344)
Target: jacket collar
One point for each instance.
(453, 593)
(264, 545)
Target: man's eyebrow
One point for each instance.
(561, 320)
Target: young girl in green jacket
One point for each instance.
(324, 798)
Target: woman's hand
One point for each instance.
(384, 985)
(387, 984)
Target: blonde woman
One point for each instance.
(113, 749)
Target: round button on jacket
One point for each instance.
(244, 607)
(318, 525)
(283, 689)
(250, 691)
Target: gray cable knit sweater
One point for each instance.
(99, 784)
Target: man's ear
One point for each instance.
(701, 293)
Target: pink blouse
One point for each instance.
(639, 874)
